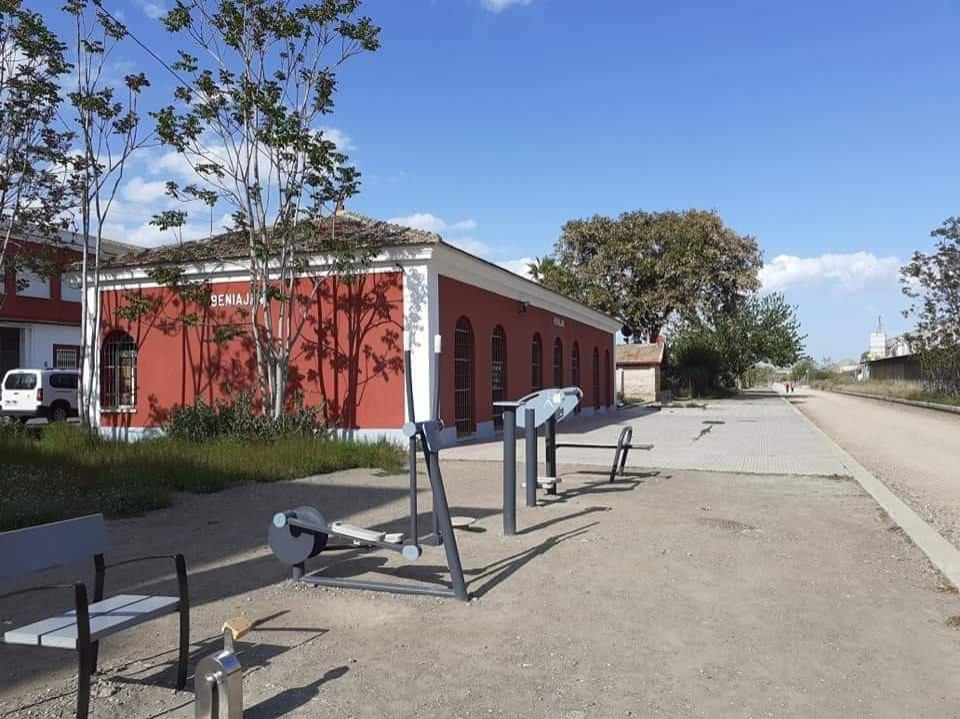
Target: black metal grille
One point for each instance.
(118, 379)
(536, 364)
(575, 370)
(596, 378)
(558, 363)
(606, 378)
(463, 376)
(498, 373)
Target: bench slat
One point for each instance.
(31, 549)
(106, 618)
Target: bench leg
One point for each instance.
(184, 646)
(94, 655)
(84, 654)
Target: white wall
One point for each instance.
(40, 339)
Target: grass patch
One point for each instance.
(63, 471)
(895, 390)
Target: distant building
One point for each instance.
(40, 316)
(638, 370)
(898, 368)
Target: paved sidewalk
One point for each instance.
(754, 434)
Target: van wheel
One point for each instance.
(58, 413)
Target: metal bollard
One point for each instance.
(218, 681)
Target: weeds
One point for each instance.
(64, 471)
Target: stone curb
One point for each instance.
(952, 409)
(939, 551)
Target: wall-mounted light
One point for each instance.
(523, 305)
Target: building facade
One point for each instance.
(502, 336)
(639, 369)
(40, 316)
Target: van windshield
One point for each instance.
(20, 380)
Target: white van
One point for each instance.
(48, 393)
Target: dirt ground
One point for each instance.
(914, 451)
(674, 593)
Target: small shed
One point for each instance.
(904, 368)
(638, 370)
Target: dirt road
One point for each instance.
(914, 451)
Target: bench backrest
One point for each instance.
(31, 549)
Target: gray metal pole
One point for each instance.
(411, 417)
(532, 464)
(550, 446)
(509, 471)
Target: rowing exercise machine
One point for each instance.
(299, 534)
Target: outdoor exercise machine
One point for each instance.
(296, 535)
(218, 680)
(545, 409)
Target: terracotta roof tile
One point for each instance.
(643, 354)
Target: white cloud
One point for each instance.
(472, 245)
(464, 226)
(844, 273)
(147, 235)
(498, 5)
(518, 267)
(153, 9)
(431, 223)
(420, 221)
(136, 189)
(339, 138)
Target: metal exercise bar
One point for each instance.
(412, 453)
(509, 469)
(531, 464)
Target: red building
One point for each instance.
(502, 336)
(40, 316)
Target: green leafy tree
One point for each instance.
(108, 131)
(932, 282)
(33, 143)
(717, 348)
(804, 369)
(260, 79)
(644, 267)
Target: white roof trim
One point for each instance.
(459, 265)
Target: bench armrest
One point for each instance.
(178, 560)
(81, 605)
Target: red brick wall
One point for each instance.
(485, 310)
(350, 353)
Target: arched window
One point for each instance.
(558, 363)
(498, 372)
(536, 363)
(607, 385)
(463, 376)
(596, 378)
(575, 370)
(118, 367)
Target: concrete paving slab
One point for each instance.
(755, 434)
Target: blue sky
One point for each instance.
(824, 129)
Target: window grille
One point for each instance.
(596, 378)
(118, 381)
(536, 364)
(498, 373)
(575, 370)
(558, 363)
(463, 376)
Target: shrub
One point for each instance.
(204, 422)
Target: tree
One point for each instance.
(108, 133)
(644, 267)
(803, 370)
(248, 123)
(932, 282)
(33, 145)
(717, 348)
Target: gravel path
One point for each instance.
(672, 593)
(914, 451)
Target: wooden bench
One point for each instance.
(23, 551)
